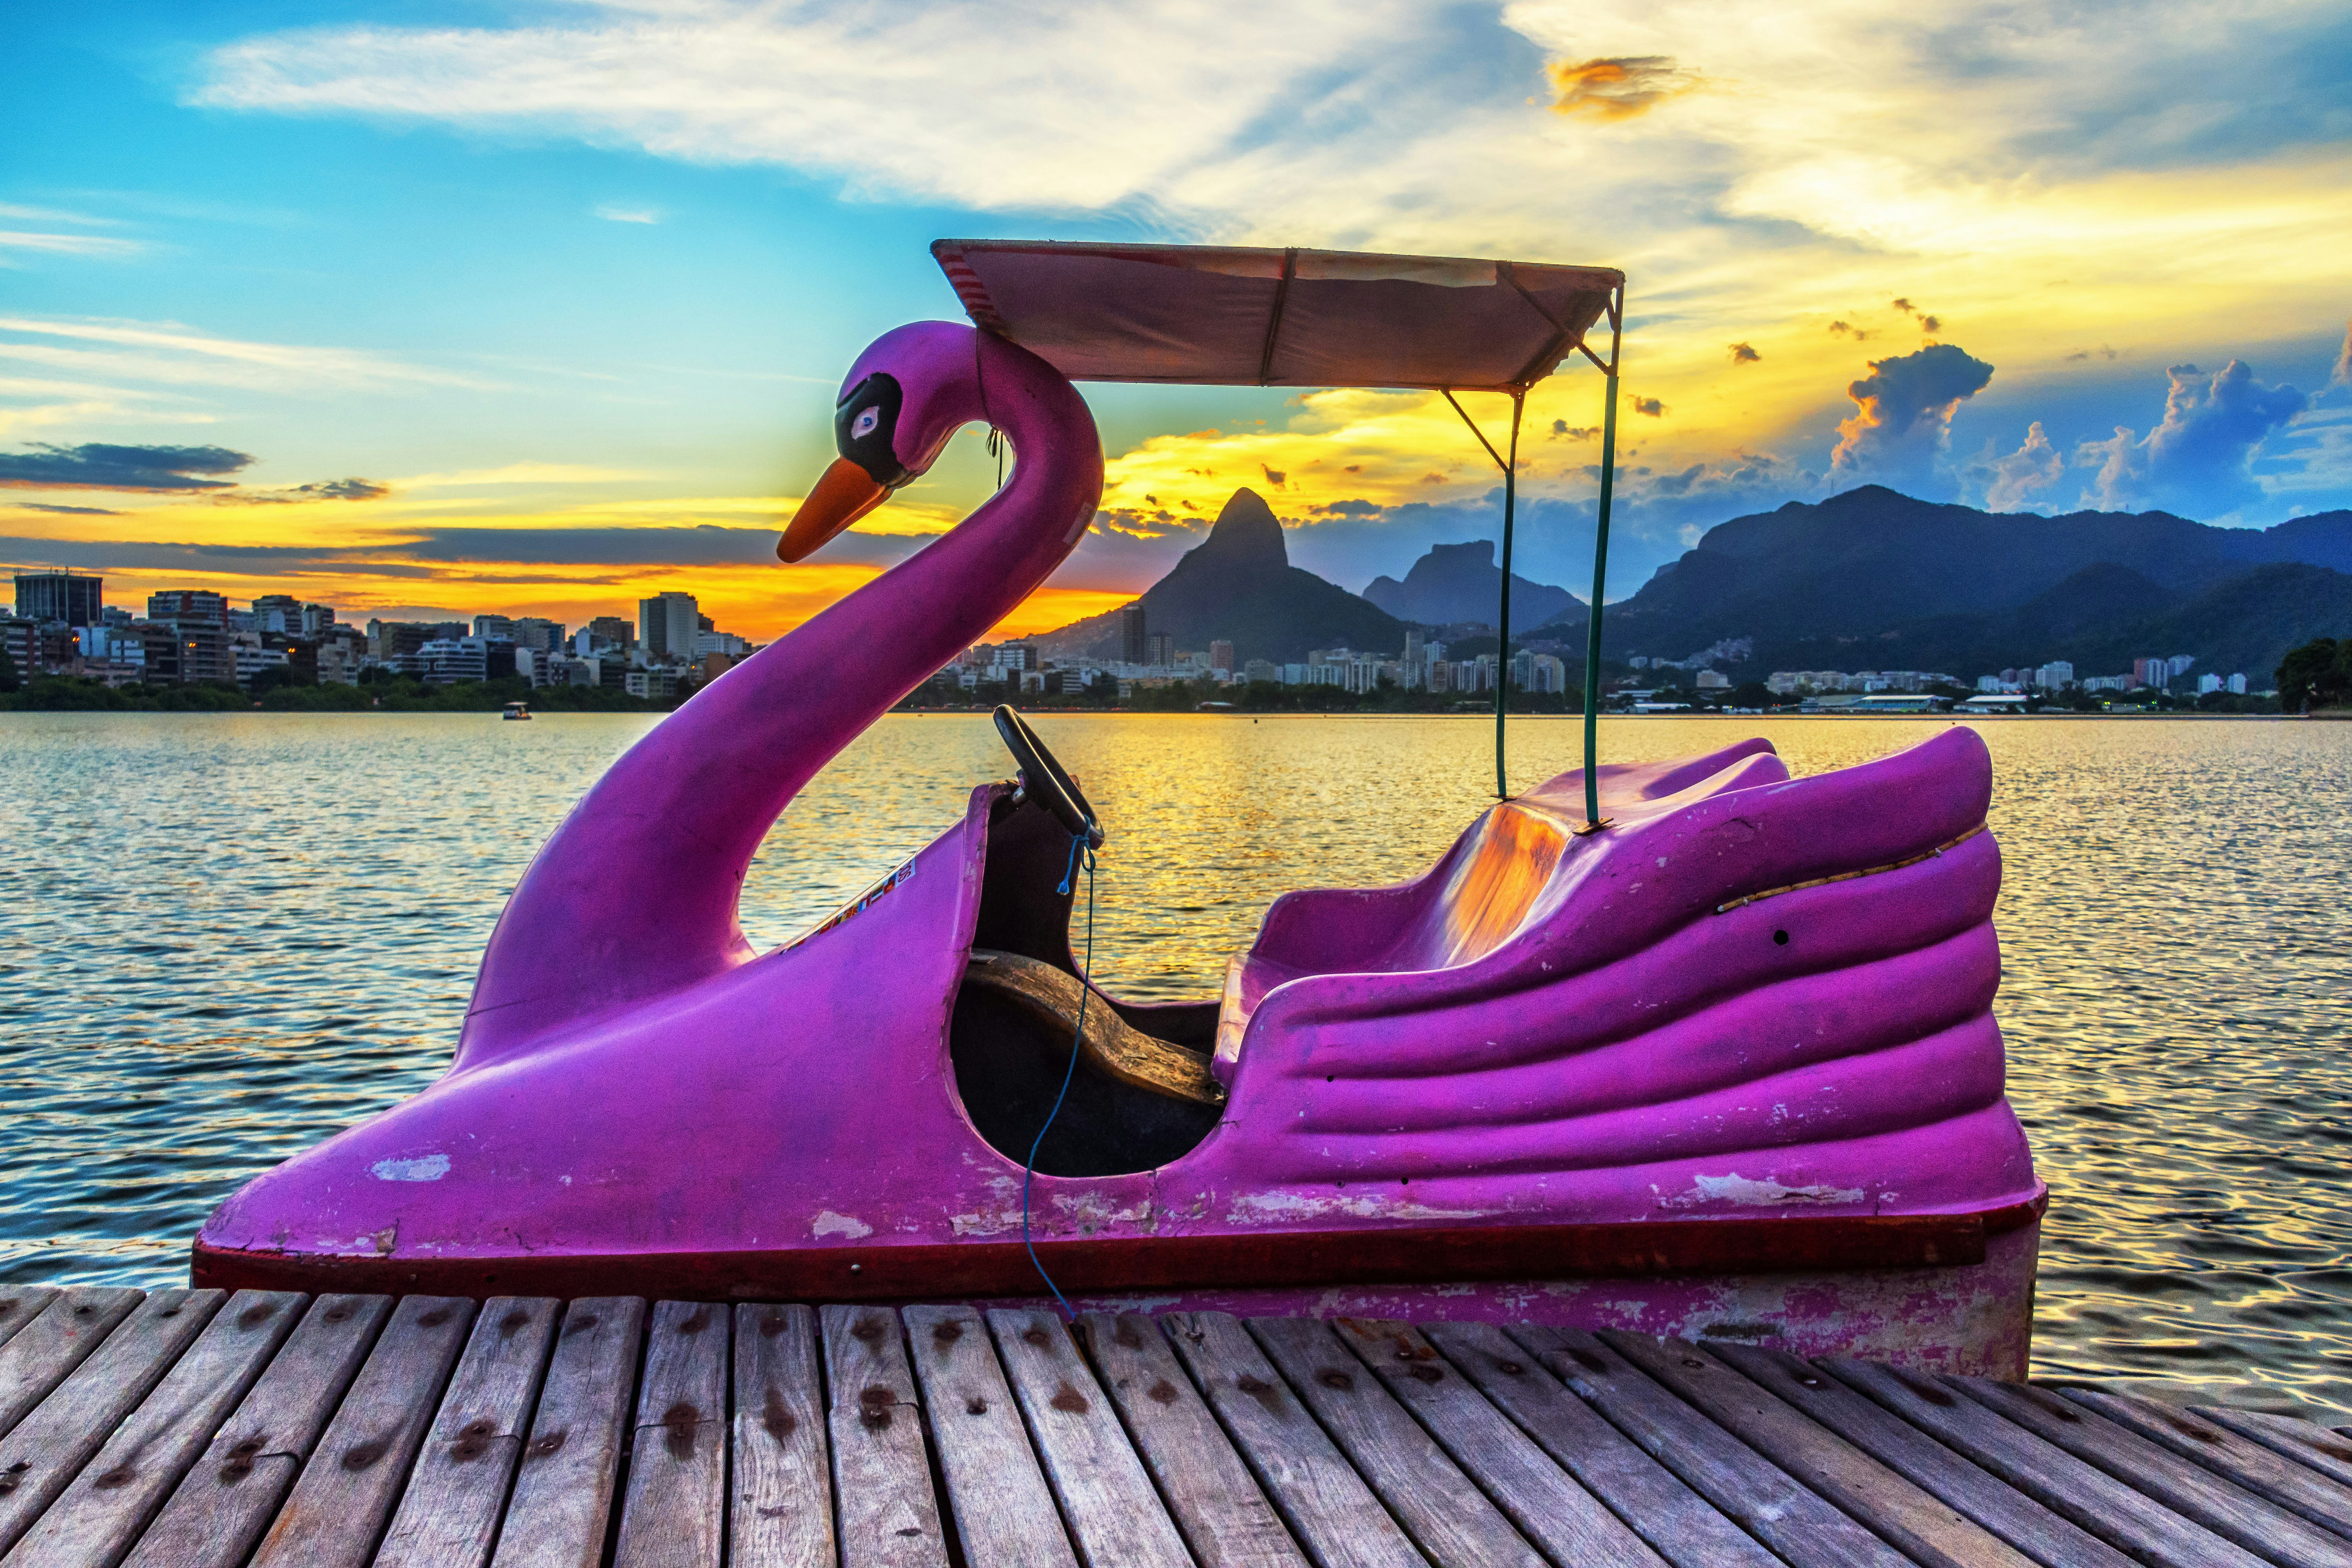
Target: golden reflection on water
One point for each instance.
(233, 935)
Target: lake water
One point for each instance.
(224, 936)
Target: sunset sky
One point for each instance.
(434, 308)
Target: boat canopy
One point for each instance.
(1224, 315)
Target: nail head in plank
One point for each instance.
(563, 1502)
(229, 1496)
(1772, 1505)
(448, 1516)
(2305, 1442)
(780, 1504)
(1218, 1504)
(2088, 1496)
(50, 1445)
(345, 1495)
(2291, 1486)
(1441, 1509)
(45, 1352)
(104, 1509)
(1547, 1505)
(1004, 1513)
(1330, 1512)
(1681, 1526)
(1926, 1529)
(2182, 1485)
(1114, 1513)
(674, 1510)
(1991, 1501)
(20, 1304)
(889, 1517)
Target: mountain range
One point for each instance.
(1869, 579)
(1874, 579)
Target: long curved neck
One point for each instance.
(634, 895)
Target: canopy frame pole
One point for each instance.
(1510, 467)
(1593, 821)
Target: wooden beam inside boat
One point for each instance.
(183, 1428)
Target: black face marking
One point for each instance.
(864, 425)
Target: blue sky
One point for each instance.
(570, 286)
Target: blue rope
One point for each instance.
(1077, 849)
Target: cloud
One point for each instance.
(1741, 353)
(1563, 429)
(1650, 406)
(169, 353)
(2342, 373)
(1616, 88)
(1902, 415)
(100, 466)
(2200, 459)
(69, 510)
(65, 244)
(1348, 509)
(325, 489)
(628, 214)
(2011, 481)
(1274, 477)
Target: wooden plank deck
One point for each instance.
(181, 1428)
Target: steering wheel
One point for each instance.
(1045, 779)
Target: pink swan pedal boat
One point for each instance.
(1726, 1068)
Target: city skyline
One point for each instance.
(417, 311)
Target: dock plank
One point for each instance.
(1927, 1529)
(45, 1351)
(888, 1515)
(2268, 1474)
(1441, 1509)
(563, 1502)
(1679, 1525)
(94, 1522)
(2052, 1541)
(1331, 1513)
(2088, 1496)
(448, 1516)
(48, 1447)
(674, 1507)
(1113, 1513)
(1004, 1511)
(20, 1304)
(780, 1504)
(2305, 1442)
(1547, 1505)
(345, 1494)
(229, 1496)
(2182, 1485)
(1218, 1504)
(1770, 1504)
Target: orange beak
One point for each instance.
(846, 494)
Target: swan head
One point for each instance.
(912, 389)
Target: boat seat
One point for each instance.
(1053, 996)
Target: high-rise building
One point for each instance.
(539, 635)
(188, 605)
(1020, 655)
(1221, 654)
(665, 627)
(1134, 647)
(615, 630)
(2178, 664)
(1163, 649)
(494, 627)
(279, 613)
(317, 619)
(60, 596)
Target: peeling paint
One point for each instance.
(830, 1224)
(1739, 1189)
(421, 1168)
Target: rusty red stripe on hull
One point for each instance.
(974, 1268)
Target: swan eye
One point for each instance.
(866, 422)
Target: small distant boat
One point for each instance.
(516, 710)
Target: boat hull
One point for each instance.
(1938, 1292)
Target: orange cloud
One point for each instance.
(1617, 87)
